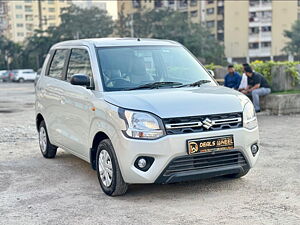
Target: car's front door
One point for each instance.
(77, 107)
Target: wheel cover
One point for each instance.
(105, 168)
(43, 139)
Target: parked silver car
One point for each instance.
(142, 111)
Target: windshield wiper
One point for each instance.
(155, 85)
(197, 83)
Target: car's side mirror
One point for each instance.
(80, 79)
(211, 73)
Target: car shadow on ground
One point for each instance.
(136, 191)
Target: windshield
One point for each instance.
(127, 68)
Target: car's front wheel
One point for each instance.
(48, 150)
(108, 171)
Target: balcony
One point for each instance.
(260, 52)
(260, 6)
(260, 37)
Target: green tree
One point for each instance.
(78, 23)
(75, 23)
(122, 24)
(293, 45)
(9, 54)
(173, 25)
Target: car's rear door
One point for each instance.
(51, 93)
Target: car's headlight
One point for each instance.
(142, 125)
(249, 116)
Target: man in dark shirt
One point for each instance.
(257, 86)
(232, 79)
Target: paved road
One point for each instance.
(64, 190)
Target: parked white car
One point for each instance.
(24, 75)
(142, 111)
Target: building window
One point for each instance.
(253, 3)
(253, 45)
(220, 10)
(171, 2)
(20, 25)
(211, 36)
(52, 25)
(253, 30)
(19, 16)
(220, 25)
(298, 2)
(210, 1)
(29, 18)
(19, 7)
(210, 11)
(51, 9)
(266, 29)
(193, 3)
(50, 1)
(220, 36)
(28, 8)
(210, 23)
(29, 26)
(20, 34)
(136, 3)
(266, 44)
(51, 17)
(27, 1)
(194, 13)
(266, 1)
(183, 3)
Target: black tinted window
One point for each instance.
(79, 64)
(57, 64)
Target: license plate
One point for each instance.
(210, 144)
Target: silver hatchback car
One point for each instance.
(142, 111)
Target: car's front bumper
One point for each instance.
(167, 149)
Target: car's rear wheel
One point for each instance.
(48, 150)
(238, 175)
(108, 171)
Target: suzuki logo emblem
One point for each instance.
(207, 123)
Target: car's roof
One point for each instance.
(110, 42)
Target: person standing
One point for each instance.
(232, 78)
(257, 86)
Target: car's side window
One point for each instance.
(57, 64)
(79, 63)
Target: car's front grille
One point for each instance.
(204, 161)
(181, 125)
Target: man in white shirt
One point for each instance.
(244, 81)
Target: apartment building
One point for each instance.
(27, 15)
(250, 29)
(254, 29)
(3, 17)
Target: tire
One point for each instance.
(238, 175)
(108, 171)
(21, 80)
(48, 150)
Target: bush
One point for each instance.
(265, 69)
